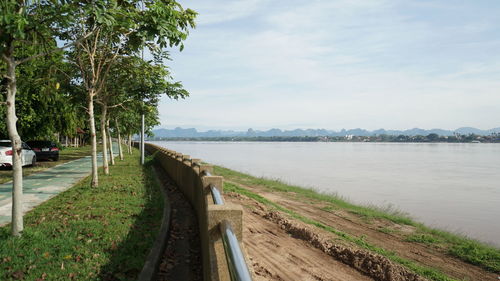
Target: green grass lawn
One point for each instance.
(86, 233)
(65, 155)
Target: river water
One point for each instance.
(455, 187)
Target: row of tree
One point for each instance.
(66, 63)
(493, 138)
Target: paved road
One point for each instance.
(42, 186)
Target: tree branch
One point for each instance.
(55, 50)
(85, 108)
(119, 104)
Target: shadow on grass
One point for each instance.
(128, 257)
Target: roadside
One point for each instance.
(41, 186)
(65, 155)
(405, 244)
(85, 233)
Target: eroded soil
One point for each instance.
(282, 248)
(276, 255)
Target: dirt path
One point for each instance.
(275, 255)
(352, 225)
(182, 257)
(451, 266)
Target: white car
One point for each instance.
(28, 156)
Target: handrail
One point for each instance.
(237, 265)
(216, 196)
(238, 268)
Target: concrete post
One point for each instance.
(195, 164)
(205, 167)
(218, 267)
(208, 181)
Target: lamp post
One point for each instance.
(142, 116)
(142, 139)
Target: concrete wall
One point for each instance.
(189, 175)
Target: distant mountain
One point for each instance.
(193, 133)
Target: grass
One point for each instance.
(468, 250)
(427, 272)
(477, 254)
(386, 230)
(65, 155)
(422, 238)
(87, 233)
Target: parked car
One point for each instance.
(45, 149)
(28, 156)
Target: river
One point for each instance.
(455, 187)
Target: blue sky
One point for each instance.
(339, 64)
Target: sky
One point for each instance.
(337, 64)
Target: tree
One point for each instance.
(122, 27)
(137, 85)
(44, 91)
(433, 137)
(24, 23)
(86, 25)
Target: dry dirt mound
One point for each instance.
(276, 255)
(376, 266)
(264, 242)
(425, 255)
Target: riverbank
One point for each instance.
(385, 238)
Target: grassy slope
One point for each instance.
(466, 249)
(65, 155)
(88, 234)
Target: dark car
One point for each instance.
(45, 150)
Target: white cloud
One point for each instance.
(337, 64)
(213, 12)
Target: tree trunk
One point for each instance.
(120, 151)
(111, 156)
(93, 140)
(129, 144)
(17, 166)
(104, 138)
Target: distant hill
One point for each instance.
(193, 133)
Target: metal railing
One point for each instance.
(238, 268)
(216, 196)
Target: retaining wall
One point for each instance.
(189, 175)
